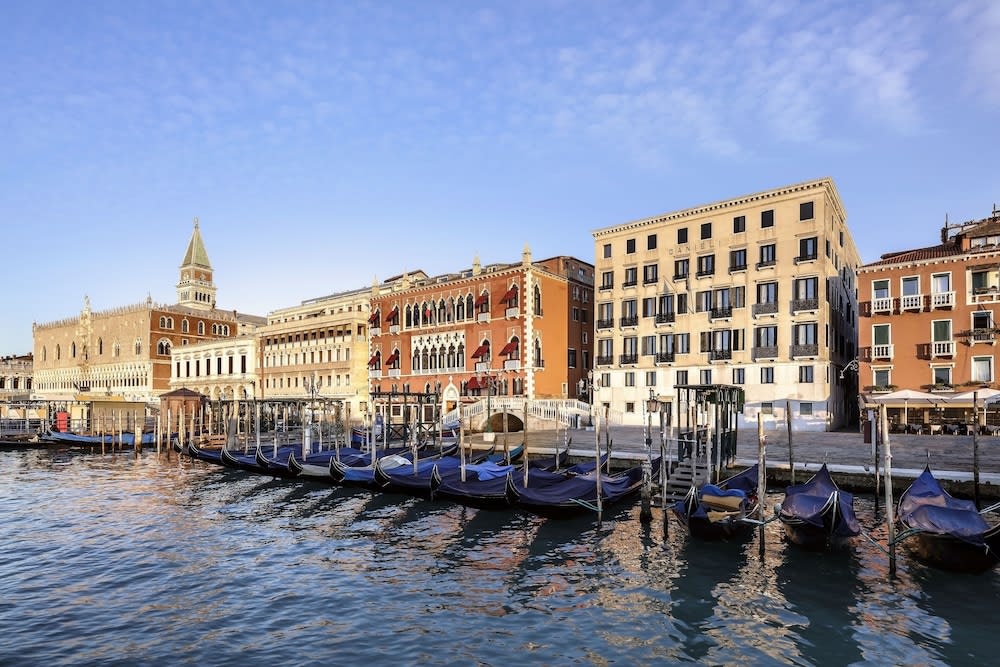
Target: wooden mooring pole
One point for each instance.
(791, 454)
(761, 479)
(889, 509)
(975, 453)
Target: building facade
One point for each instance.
(928, 315)
(519, 330)
(318, 350)
(126, 351)
(225, 368)
(15, 377)
(757, 291)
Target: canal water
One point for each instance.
(110, 560)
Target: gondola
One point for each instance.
(946, 532)
(209, 454)
(817, 515)
(317, 464)
(362, 473)
(718, 512)
(487, 486)
(578, 494)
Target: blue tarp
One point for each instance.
(811, 503)
(925, 505)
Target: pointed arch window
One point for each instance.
(100, 347)
(460, 357)
(539, 362)
(163, 347)
(201, 328)
(45, 354)
(469, 307)
(185, 326)
(442, 315)
(537, 292)
(163, 322)
(138, 347)
(460, 309)
(409, 316)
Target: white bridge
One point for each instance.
(541, 413)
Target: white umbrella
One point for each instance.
(905, 396)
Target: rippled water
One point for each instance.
(113, 560)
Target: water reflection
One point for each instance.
(127, 556)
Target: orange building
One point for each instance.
(928, 320)
(522, 330)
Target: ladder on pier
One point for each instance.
(687, 473)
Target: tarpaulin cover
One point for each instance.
(813, 503)
(584, 487)
(927, 506)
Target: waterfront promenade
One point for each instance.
(845, 452)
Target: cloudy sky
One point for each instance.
(325, 144)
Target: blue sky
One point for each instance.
(325, 144)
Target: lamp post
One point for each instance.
(652, 405)
(586, 386)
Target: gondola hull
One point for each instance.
(818, 516)
(949, 553)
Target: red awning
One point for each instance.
(481, 350)
(373, 317)
(508, 348)
(394, 315)
(473, 383)
(483, 298)
(511, 293)
(392, 359)
(373, 360)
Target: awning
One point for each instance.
(511, 293)
(481, 350)
(394, 315)
(373, 318)
(508, 348)
(483, 298)
(392, 358)
(373, 360)
(473, 383)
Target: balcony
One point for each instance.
(606, 286)
(985, 295)
(680, 276)
(604, 360)
(720, 355)
(943, 348)
(805, 350)
(605, 324)
(628, 359)
(911, 302)
(983, 336)
(882, 305)
(512, 313)
(630, 283)
(512, 365)
(766, 263)
(375, 331)
(482, 366)
(374, 373)
(483, 317)
(736, 268)
(804, 305)
(766, 352)
(704, 273)
(811, 257)
(765, 309)
(723, 313)
(942, 300)
(394, 372)
(664, 357)
(665, 318)
(882, 351)
(650, 280)
(393, 328)
(629, 321)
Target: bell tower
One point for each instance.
(196, 288)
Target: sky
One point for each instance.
(326, 144)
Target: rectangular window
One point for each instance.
(739, 376)
(767, 408)
(768, 255)
(650, 378)
(738, 260)
(882, 377)
(706, 230)
(767, 375)
(607, 250)
(739, 224)
(650, 274)
(681, 268)
(630, 379)
(649, 345)
(649, 306)
(765, 336)
(629, 246)
(911, 286)
(767, 218)
(880, 289)
(703, 301)
(630, 407)
(631, 277)
(767, 292)
(940, 283)
(941, 331)
(982, 369)
(805, 288)
(682, 378)
(571, 358)
(607, 279)
(705, 376)
(806, 210)
(682, 235)
(682, 303)
(806, 374)
(807, 249)
(942, 375)
(805, 409)
(651, 242)
(683, 343)
(706, 265)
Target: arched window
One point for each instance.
(138, 347)
(408, 315)
(441, 357)
(451, 309)
(427, 387)
(45, 354)
(433, 359)
(442, 314)
(460, 356)
(163, 347)
(116, 349)
(426, 313)
(518, 386)
(185, 326)
(100, 347)
(225, 329)
(201, 328)
(451, 356)
(538, 299)
(538, 361)
(424, 361)
(215, 329)
(469, 307)
(72, 350)
(170, 323)
(415, 362)
(460, 309)
(163, 322)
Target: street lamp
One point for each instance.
(652, 405)
(586, 386)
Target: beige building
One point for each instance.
(126, 351)
(318, 349)
(15, 377)
(757, 291)
(219, 369)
